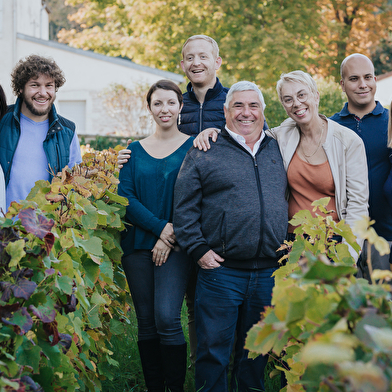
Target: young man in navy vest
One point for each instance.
(35, 142)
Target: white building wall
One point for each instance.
(29, 17)
(384, 91)
(24, 30)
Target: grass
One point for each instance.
(128, 377)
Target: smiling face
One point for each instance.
(200, 63)
(245, 115)
(164, 108)
(38, 96)
(300, 112)
(359, 84)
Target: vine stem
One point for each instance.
(330, 385)
(369, 261)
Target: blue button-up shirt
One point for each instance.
(373, 130)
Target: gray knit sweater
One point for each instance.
(233, 203)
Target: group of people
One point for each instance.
(206, 221)
(228, 210)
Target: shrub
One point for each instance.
(329, 330)
(62, 288)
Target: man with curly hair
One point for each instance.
(35, 142)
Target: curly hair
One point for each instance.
(31, 68)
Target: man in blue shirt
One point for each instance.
(369, 120)
(35, 142)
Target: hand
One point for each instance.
(160, 253)
(210, 260)
(167, 235)
(202, 141)
(123, 157)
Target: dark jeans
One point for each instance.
(158, 293)
(227, 298)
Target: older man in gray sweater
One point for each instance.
(230, 214)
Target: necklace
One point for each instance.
(318, 146)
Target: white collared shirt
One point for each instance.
(241, 141)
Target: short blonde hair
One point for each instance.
(296, 77)
(215, 47)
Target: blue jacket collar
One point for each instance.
(376, 111)
(211, 93)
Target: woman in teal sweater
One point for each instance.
(156, 269)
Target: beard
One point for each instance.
(36, 112)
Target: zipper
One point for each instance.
(200, 117)
(261, 204)
(8, 174)
(256, 167)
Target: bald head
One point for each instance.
(355, 57)
(359, 84)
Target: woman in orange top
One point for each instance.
(321, 157)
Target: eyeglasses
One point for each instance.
(288, 102)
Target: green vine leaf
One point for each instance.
(16, 251)
(91, 245)
(20, 319)
(28, 355)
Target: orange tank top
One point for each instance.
(308, 183)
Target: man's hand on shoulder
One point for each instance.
(123, 156)
(202, 141)
(210, 260)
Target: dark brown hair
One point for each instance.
(31, 68)
(164, 85)
(3, 103)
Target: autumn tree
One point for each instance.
(382, 56)
(128, 110)
(258, 39)
(348, 27)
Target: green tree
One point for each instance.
(258, 39)
(382, 56)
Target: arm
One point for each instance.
(187, 215)
(124, 155)
(202, 141)
(388, 185)
(210, 260)
(2, 191)
(357, 187)
(160, 253)
(136, 212)
(74, 152)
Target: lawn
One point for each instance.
(129, 376)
